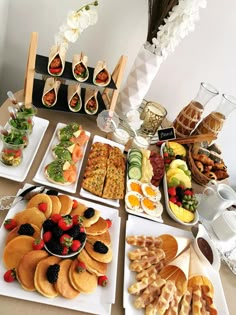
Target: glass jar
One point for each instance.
(120, 136)
(26, 112)
(21, 124)
(140, 142)
(16, 137)
(11, 154)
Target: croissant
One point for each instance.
(203, 158)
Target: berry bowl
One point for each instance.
(64, 236)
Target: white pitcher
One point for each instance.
(215, 199)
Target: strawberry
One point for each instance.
(10, 275)
(10, 224)
(188, 192)
(75, 204)
(56, 217)
(81, 267)
(102, 280)
(43, 206)
(82, 229)
(173, 199)
(179, 204)
(75, 245)
(65, 223)
(77, 219)
(47, 236)
(38, 244)
(166, 154)
(172, 191)
(65, 250)
(66, 240)
(109, 223)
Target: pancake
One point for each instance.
(105, 238)
(63, 285)
(97, 228)
(87, 222)
(16, 249)
(104, 258)
(14, 233)
(38, 199)
(31, 216)
(84, 282)
(27, 266)
(41, 282)
(95, 267)
(56, 204)
(66, 204)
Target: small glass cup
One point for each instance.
(11, 154)
(21, 124)
(120, 136)
(26, 113)
(140, 141)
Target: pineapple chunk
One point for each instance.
(181, 213)
(178, 148)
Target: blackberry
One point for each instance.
(26, 229)
(55, 247)
(81, 237)
(74, 231)
(57, 231)
(52, 273)
(99, 247)
(52, 192)
(89, 213)
(180, 192)
(48, 225)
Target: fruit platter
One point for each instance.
(180, 199)
(145, 170)
(68, 254)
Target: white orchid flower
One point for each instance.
(73, 19)
(72, 35)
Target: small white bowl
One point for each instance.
(202, 243)
(225, 226)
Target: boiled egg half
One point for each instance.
(133, 201)
(134, 185)
(152, 208)
(152, 192)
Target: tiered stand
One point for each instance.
(33, 89)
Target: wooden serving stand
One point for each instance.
(107, 99)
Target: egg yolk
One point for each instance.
(136, 187)
(150, 191)
(134, 201)
(148, 204)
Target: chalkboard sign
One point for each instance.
(166, 134)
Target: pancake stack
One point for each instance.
(79, 274)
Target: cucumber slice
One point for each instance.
(136, 153)
(135, 172)
(134, 159)
(135, 164)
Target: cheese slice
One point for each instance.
(66, 166)
(71, 148)
(77, 133)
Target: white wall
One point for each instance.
(207, 54)
(3, 27)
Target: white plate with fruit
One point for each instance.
(181, 202)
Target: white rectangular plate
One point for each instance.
(144, 215)
(90, 196)
(98, 302)
(20, 172)
(48, 157)
(138, 226)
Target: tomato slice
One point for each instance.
(55, 70)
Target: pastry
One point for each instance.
(63, 285)
(43, 202)
(16, 249)
(31, 216)
(93, 266)
(66, 204)
(27, 266)
(14, 233)
(83, 281)
(41, 282)
(144, 241)
(203, 158)
(200, 166)
(104, 257)
(211, 175)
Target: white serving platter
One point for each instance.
(168, 209)
(48, 157)
(98, 302)
(19, 173)
(138, 226)
(90, 196)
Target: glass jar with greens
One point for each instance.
(21, 124)
(12, 150)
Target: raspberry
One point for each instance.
(43, 206)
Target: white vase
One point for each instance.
(143, 71)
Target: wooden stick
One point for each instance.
(196, 138)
